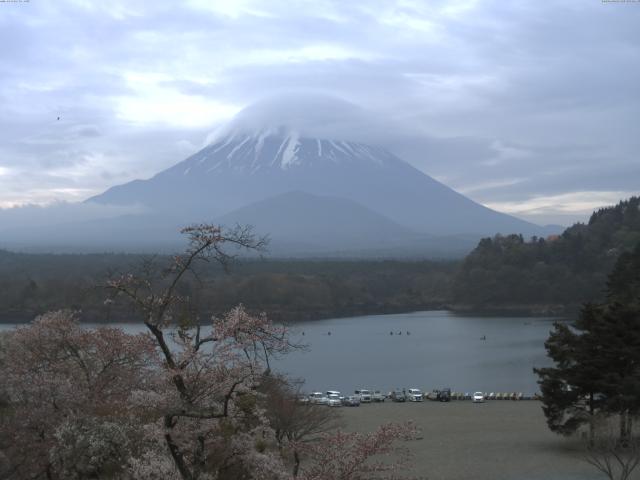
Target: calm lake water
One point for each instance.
(442, 350)
(435, 349)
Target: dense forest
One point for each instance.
(286, 289)
(503, 273)
(548, 275)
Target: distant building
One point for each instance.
(553, 238)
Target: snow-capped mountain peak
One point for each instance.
(279, 149)
(276, 148)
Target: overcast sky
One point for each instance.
(532, 108)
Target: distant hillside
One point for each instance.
(502, 274)
(291, 290)
(509, 272)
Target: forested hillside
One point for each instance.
(506, 272)
(286, 289)
(503, 273)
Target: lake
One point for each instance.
(441, 349)
(427, 350)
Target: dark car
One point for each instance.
(398, 396)
(444, 395)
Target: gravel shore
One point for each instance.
(497, 440)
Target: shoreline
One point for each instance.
(564, 311)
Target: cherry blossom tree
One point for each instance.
(209, 405)
(359, 456)
(62, 382)
(181, 401)
(294, 422)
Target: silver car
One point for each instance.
(351, 401)
(363, 395)
(378, 396)
(415, 395)
(478, 397)
(318, 398)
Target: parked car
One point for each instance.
(378, 396)
(478, 397)
(334, 400)
(414, 395)
(334, 392)
(351, 401)
(303, 399)
(364, 395)
(444, 395)
(318, 398)
(398, 396)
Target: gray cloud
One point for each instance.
(508, 102)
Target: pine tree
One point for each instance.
(572, 390)
(597, 360)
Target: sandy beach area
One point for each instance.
(497, 440)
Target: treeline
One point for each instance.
(288, 290)
(553, 274)
(503, 273)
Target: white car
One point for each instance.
(478, 397)
(334, 400)
(415, 395)
(334, 392)
(378, 396)
(318, 398)
(364, 395)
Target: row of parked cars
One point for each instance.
(334, 398)
(477, 397)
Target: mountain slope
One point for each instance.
(245, 167)
(299, 221)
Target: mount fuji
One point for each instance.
(312, 190)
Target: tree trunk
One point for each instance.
(176, 454)
(296, 462)
(198, 457)
(624, 424)
(592, 421)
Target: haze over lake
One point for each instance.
(442, 349)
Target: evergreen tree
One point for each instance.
(597, 360)
(572, 390)
(620, 327)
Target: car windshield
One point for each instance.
(364, 392)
